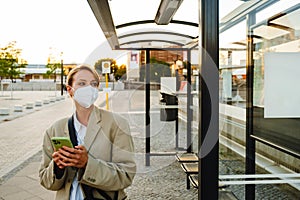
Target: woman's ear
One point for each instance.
(70, 90)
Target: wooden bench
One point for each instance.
(194, 180)
(189, 169)
(189, 164)
(187, 158)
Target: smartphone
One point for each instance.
(59, 142)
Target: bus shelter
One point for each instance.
(183, 28)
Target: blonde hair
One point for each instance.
(79, 68)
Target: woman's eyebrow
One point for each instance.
(94, 80)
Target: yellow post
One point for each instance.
(106, 85)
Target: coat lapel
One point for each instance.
(66, 130)
(93, 128)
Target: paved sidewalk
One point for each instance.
(21, 137)
(22, 98)
(21, 140)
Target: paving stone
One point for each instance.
(163, 179)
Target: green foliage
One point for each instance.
(120, 73)
(158, 69)
(10, 62)
(52, 67)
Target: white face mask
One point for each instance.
(86, 96)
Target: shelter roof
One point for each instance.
(160, 24)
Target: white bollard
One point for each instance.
(52, 100)
(29, 105)
(4, 111)
(38, 103)
(46, 101)
(18, 108)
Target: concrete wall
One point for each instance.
(32, 86)
(51, 86)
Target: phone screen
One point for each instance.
(59, 142)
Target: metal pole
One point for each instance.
(189, 103)
(250, 142)
(147, 102)
(55, 83)
(106, 94)
(1, 87)
(61, 77)
(176, 132)
(11, 89)
(208, 166)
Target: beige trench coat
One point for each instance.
(110, 167)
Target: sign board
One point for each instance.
(277, 121)
(134, 60)
(106, 67)
(281, 80)
(168, 85)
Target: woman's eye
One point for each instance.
(81, 83)
(94, 84)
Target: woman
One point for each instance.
(102, 164)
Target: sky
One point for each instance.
(44, 27)
(41, 27)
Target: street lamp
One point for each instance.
(61, 74)
(14, 65)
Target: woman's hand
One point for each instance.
(72, 157)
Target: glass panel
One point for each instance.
(154, 38)
(275, 67)
(188, 11)
(226, 6)
(291, 20)
(277, 35)
(137, 10)
(269, 32)
(146, 10)
(275, 8)
(233, 66)
(232, 94)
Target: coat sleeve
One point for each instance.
(46, 171)
(117, 174)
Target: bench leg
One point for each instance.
(188, 184)
(176, 133)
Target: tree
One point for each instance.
(158, 69)
(120, 73)
(10, 62)
(52, 67)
